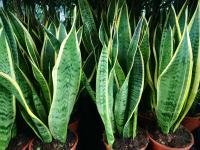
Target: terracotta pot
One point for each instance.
(191, 123)
(157, 146)
(109, 148)
(28, 145)
(73, 127)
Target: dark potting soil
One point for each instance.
(180, 138)
(55, 145)
(139, 142)
(18, 142)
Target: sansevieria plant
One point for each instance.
(177, 73)
(120, 75)
(44, 84)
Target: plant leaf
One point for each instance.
(194, 28)
(7, 100)
(24, 38)
(10, 36)
(166, 49)
(90, 34)
(11, 85)
(62, 33)
(124, 35)
(66, 82)
(135, 85)
(43, 85)
(102, 96)
(173, 85)
(32, 98)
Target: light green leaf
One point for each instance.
(194, 28)
(102, 96)
(66, 82)
(62, 33)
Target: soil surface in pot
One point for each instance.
(129, 144)
(18, 142)
(55, 145)
(180, 138)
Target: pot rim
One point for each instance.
(173, 148)
(192, 118)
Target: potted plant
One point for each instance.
(47, 111)
(176, 83)
(120, 82)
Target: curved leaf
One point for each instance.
(136, 85)
(11, 85)
(43, 85)
(32, 98)
(24, 38)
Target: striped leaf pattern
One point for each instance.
(173, 84)
(194, 32)
(7, 100)
(40, 128)
(66, 82)
(102, 96)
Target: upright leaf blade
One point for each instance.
(62, 33)
(194, 28)
(173, 85)
(166, 49)
(66, 82)
(124, 35)
(43, 85)
(102, 96)
(7, 100)
(90, 34)
(10, 35)
(136, 85)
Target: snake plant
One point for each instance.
(45, 85)
(120, 81)
(177, 69)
